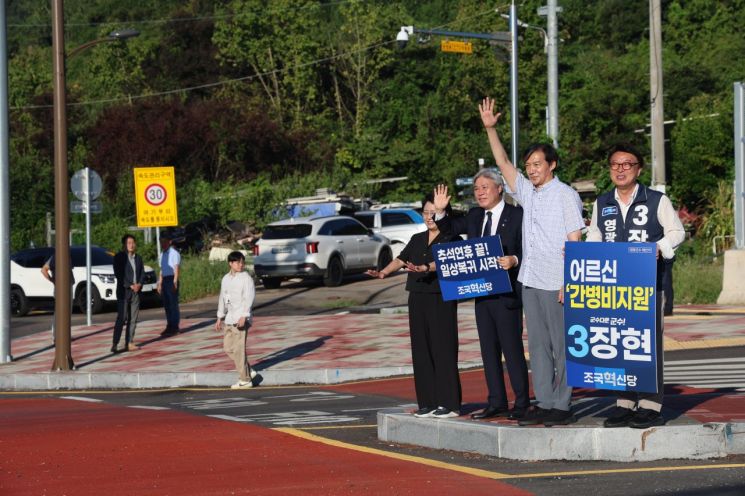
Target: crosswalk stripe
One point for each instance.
(708, 378)
(715, 373)
(717, 385)
(708, 367)
(705, 361)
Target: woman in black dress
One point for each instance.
(433, 323)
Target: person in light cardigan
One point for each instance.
(237, 293)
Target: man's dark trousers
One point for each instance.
(500, 332)
(170, 303)
(127, 309)
(499, 317)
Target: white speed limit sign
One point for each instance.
(155, 194)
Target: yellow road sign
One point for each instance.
(155, 196)
(456, 46)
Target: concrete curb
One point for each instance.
(692, 441)
(76, 380)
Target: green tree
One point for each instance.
(278, 41)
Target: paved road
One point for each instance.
(320, 439)
(292, 298)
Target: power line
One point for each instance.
(210, 85)
(161, 21)
(236, 80)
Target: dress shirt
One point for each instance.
(237, 293)
(551, 212)
(131, 258)
(496, 213)
(169, 260)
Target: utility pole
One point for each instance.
(739, 113)
(733, 288)
(63, 269)
(656, 96)
(553, 72)
(514, 121)
(5, 355)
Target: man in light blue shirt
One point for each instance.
(552, 215)
(168, 281)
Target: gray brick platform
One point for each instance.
(682, 437)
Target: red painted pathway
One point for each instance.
(58, 446)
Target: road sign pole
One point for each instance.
(157, 240)
(88, 310)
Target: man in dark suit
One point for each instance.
(498, 317)
(129, 271)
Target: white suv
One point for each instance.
(29, 287)
(318, 246)
(396, 224)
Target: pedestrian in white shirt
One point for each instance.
(237, 294)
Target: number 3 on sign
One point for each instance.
(155, 194)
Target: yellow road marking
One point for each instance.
(624, 471)
(491, 474)
(398, 456)
(327, 427)
(682, 312)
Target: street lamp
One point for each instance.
(120, 34)
(551, 95)
(525, 25)
(62, 297)
(501, 37)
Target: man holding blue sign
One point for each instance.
(631, 212)
(499, 316)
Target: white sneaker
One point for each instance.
(242, 385)
(443, 412)
(252, 373)
(424, 412)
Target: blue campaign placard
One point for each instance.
(467, 269)
(609, 315)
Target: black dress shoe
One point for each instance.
(534, 417)
(619, 418)
(644, 418)
(489, 412)
(517, 413)
(559, 417)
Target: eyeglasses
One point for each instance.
(429, 213)
(622, 165)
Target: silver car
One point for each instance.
(396, 224)
(326, 247)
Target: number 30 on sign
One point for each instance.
(155, 196)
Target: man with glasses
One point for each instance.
(499, 318)
(552, 215)
(631, 212)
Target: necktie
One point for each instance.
(487, 226)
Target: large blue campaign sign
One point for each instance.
(467, 269)
(609, 315)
